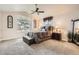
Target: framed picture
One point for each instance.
(9, 21)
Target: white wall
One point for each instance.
(62, 18)
(63, 14)
(10, 33)
(0, 26)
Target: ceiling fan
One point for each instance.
(37, 10)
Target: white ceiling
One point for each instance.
(59, 8)
(23, 7)
(16, 7)
(48, 8)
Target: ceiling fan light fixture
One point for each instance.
(37, 10)
(41, 11)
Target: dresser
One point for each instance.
(56, 36)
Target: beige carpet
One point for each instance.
(56, 47)
(49, 47)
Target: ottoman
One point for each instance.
(28, 40)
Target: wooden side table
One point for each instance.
(56, 36)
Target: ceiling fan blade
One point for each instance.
(37, 9)
(33, 12)
(41, 11)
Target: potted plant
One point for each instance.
(69, 36)
(76, 38)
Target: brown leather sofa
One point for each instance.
(40, 36)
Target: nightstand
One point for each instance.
(56, 36)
